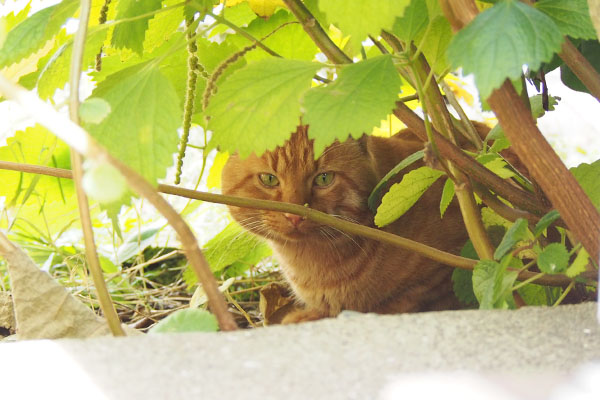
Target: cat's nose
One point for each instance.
(294, 219)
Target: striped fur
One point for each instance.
(328, 270)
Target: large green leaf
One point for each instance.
(435, 44)
(506, 36)
(492, 284)
(40, 199)
(363, 95)
(363, 17)
(588, 176)
(141, 129)
(571, 16)
(162, 26)
(32, 33)
(131, 34)
(402, 196)
(258, 107)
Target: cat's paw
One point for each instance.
(303, 316)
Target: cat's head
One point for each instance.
(337, 183)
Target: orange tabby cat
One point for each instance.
(328, 270)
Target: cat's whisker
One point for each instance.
(327, 235)
(349, 237)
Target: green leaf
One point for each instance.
(31, 34)
(579, 264)
(187, 320)
(537, 107)
(363, 95)
(162, 26)
(93, 110)
(240, 15)
(545, 222)
(435, 44)
(588, 176)
(40, 199)
(402, 196)
(363, 17)
(447, 196)
(553, 259)
(492, 285)
(534, 295)
(374, 196)
(412, 24)
(55, 73)
(145, 116)
(506, 36)
(517, 232)
(258, 107)
(497, 165)
(131, 34)
(491, 218)
(290, 41)
(571, 16)
(590, 49)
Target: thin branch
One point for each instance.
(106, 304)
(316, 32)
(581, 67)
(311, 214)
(82, 142)
(472, 134)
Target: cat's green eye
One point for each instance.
(269, 180)
(324, 179)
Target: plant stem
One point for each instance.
(108, 308)
(314, 215)
(82, 142)
(564, 294)
(529, 280)
(581, 67)
(316, 32)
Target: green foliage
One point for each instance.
(374, 196)
(233, 247)
(145, 115)
(506, 36)
(262, 100)
(447, 196)
(588, 176)
(131, 34)
(187, 320)
(402, 196)
(571, 16)
(545, 222)
(32, 33)
(492, 284)
(579, 264)
(363, 95)
(94, 110)
(364, 17)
